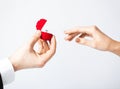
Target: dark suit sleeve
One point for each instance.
(1, 83)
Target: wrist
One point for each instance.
(14, 64)
(115, 47)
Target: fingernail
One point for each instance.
(77, 40)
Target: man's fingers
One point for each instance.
(47, 56)
(45, 46)
(53, 45)
(52, 49)
(40, 46)
(34, 38)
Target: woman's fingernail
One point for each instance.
(77, 40)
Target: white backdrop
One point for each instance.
(73, 66)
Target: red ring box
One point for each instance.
(40, 24)
(44, 35)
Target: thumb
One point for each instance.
(34, 38)
(83, 41)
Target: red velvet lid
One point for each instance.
(40, 24)
(44, 35)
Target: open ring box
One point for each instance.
(44, 35)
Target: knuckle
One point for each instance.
(41, 64)
(94, 28)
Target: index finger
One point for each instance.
(83, 29)
(53, 45)
(52, 49)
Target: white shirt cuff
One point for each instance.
(7, 71)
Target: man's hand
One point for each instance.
(27, 57)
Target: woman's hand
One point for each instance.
(97, 39)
